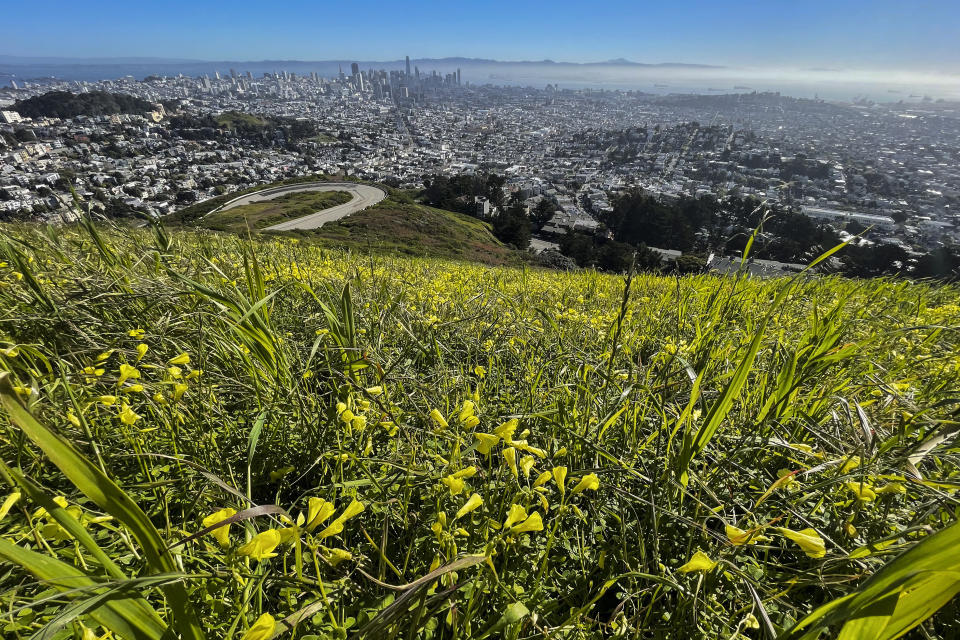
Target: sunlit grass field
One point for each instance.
(208, 437)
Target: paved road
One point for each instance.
(363, 196)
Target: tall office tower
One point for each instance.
(354, 69)
(359, 78)
(233, 73)
(13, 83)
(408, 66)
(458, 76)
(249, 76)
(216, 74)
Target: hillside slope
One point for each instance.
(414, 229)
(379, 445)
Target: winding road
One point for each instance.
(364, 196)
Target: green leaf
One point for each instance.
(94, 484)
(115, 609)
(899, 596)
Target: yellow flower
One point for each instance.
(135, 333)
(175, 372)
(183, 358)
(852, 463)
(318, 511)
(262, 629)
(523, 446)
(510, 457)
(91, 371)
(107, 401)
(222, 535)
(133, 388)
(72, 417)
(336, 556)
(336, 526)
(471, 422)
(467, 472)
(892, 488)
(374, 391)
(863, 491)
(474, 503)
(589, 481)
(699, 562)
(560, 477)
(562, 451)
(127, 415)
(438, 418)
(261, 546)
(466, 411)
(532, 523)
(738, 537)
(456, 485)
(193, 374)
(542, 479)
(178, 390)
(516, 514)
(808, 539)
(507, 429)
(526, 464)
(485, 442)
(480, 372)
(127, 372)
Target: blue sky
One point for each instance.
(877, 34)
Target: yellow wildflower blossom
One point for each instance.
(533, 523)
(808, 539)
(510, 458)
(222, 535)
(485, 442)
(262, 629)
(318, 511)
(336, 526)
(474, 503)
(516, 514)
(456, 485)
(183, 358)
(560, 477)
(261, 546)
(589, 481)
(438, 418)
(699, 562)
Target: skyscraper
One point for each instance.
(458, 76)
(408, 66)
(354, 69)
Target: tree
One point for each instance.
(689, 263)
(543, 212)
(513, 227)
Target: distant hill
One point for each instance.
(63, 104)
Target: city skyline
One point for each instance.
(852, 35)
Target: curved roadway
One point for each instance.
(364, 196)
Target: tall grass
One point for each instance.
(206, 436)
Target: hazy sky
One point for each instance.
(921, 35)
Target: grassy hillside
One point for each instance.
(259, 215)
(400, 226)
(381, 446)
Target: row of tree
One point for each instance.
(64, 104)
